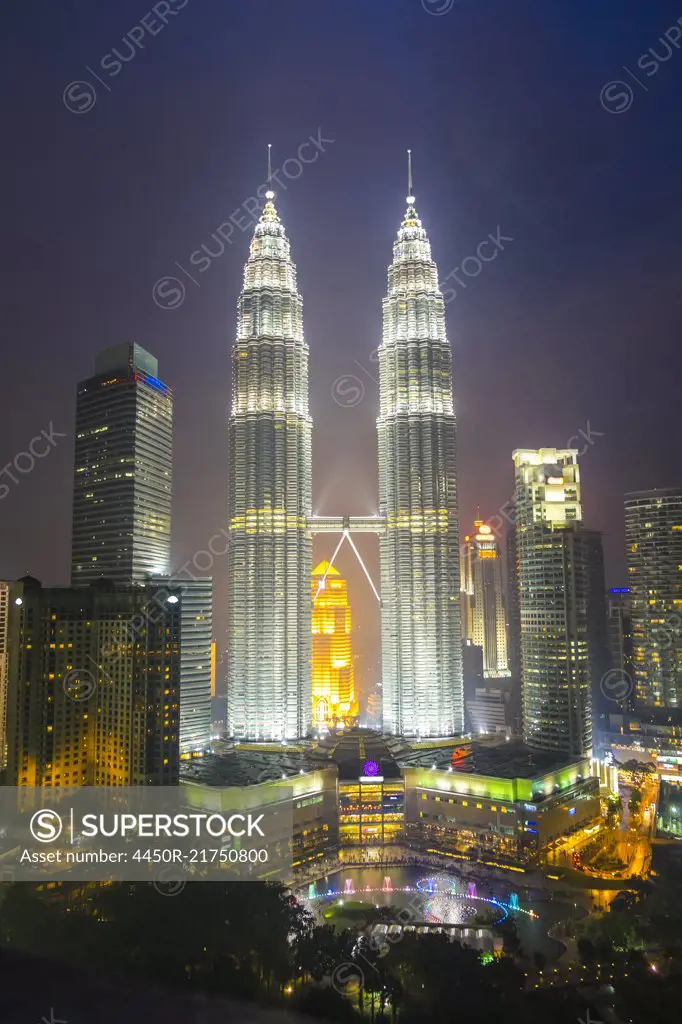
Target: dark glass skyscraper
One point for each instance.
(123, 469)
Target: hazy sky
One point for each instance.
(505, 107)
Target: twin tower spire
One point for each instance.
(270, 498)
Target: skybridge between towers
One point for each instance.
(346, 526)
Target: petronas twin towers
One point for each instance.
(270, 500)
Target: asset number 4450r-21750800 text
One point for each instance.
(211, 856)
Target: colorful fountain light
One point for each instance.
(430, 886)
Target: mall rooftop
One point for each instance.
(507, 760)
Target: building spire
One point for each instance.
(410, 197)
(269, 214)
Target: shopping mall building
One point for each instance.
(358, 789)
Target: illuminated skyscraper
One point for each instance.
(421, 640)
(270, 499)
(653, 536)
(483, 609)
(123, 470)
(333, 671)
(93, 685)
(553, 557)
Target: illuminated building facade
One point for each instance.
(93, 694)
(4, 656)
(302, 794)
(501, 815)
(421, 636)
(653, 537)
(482, 601)
(123, 470)
(270, 499)
(553, 555)
(371, 811)
(196, 638)
(334, 700)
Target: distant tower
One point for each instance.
(653, 536)
(421, 637)
(270, 499)
(334, 698)
(619, 609)
(553, 553)
(123, 470)
(483, 606)
(4, 665)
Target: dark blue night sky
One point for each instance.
(575, 323)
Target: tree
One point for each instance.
(540, 961)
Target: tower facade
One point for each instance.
(653, 536)
(482, 601)
(334, 699)
(420, 619)
(270, 499)
(553, 556)
(619, 610)
(123, 470)
(92, 701)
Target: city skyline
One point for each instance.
(585, 294)
(142, 367)
(341, 512)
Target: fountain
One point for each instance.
(348, 886)
(514, 901)
(471, 890)
(312, 892)
(387, 883)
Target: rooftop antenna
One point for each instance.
(269, 194)
(410, 197)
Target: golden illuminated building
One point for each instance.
(334, 699)
(483, 612)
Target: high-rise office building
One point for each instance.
(4, 622)
(93, 685)
(553, 555)
(334, 700)
(482, 600)
(421, 637)
(270, 499)
(123, 470)
(196, 639)
(653, 537)
(619, 612)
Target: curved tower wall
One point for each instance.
(270, 499)
(421, 638)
